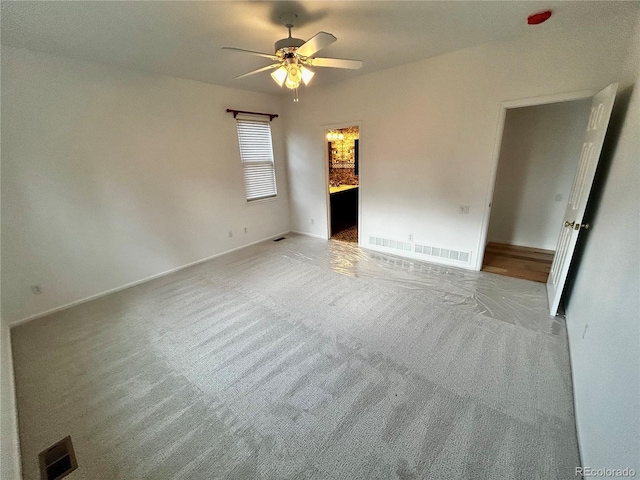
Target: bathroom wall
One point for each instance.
(342, 157)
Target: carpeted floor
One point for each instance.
(303, 359)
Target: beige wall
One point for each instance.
(603, 313)
(538, 161)
(10, 468)
(111, 176)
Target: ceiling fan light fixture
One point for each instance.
(293, 78)
(307, 75)
(294, 72)
(294, 55)
(289, 83)
(280, 75)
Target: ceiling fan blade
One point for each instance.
(316, 43)
(251, 52)
(263, 69)
(335, 63)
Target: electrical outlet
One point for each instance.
(463, 209)
(411, 237)
(230, 233)
(36, 289)
(313, 222)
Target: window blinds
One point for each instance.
(256, 153)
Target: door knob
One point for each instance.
(576, 226)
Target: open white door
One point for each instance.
(573, 218)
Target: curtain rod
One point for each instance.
(236, 112)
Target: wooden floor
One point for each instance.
(519, 262)
(347, 235)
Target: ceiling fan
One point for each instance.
(294, 56)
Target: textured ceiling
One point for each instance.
(184, 39)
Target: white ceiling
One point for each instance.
(184, 38)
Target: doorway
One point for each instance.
(538, 160)
(343, 152)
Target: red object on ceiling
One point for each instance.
(538, 18)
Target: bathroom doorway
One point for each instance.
(343, 151)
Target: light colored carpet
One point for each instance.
(303, 359)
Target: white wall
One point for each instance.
(9, 446)
(10, 468)
(429, 129)
(111, 176)
(538, 161)
(603, 313)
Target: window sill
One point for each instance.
(262, 200)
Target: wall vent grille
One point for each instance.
(394, 244)
(455, 255)
(57, 461)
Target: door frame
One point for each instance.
(497, 146)
(325, 156)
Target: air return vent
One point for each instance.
(455, 255)
(463, 257)
(57, 461)
(394, 244)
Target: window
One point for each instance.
(256, 153)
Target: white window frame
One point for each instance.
(256, 153)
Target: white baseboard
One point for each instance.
(520, 244)
(133, 284)
(576, 414)
(307, 234)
